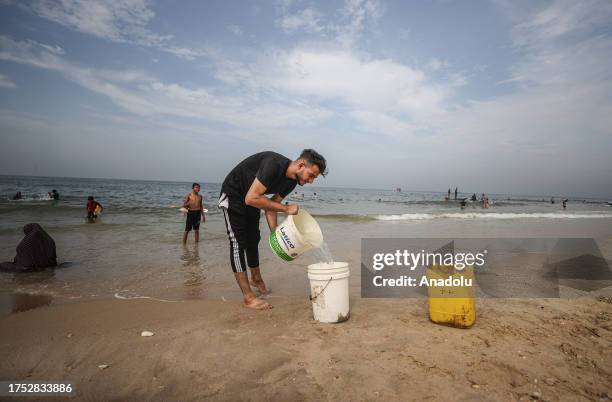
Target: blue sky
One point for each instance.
(491, 96)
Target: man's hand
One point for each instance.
(292, 209)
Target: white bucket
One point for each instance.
(329, 291)
(296, 235)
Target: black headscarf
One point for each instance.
(36, 250)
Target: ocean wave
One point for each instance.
(489, 215)
(453, 203)
(345, 217)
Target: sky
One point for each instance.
(489, 96)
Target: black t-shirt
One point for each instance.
(270, 168)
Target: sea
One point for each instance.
(134, 250)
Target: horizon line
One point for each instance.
(315, 186)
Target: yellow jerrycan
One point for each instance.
(451, 299)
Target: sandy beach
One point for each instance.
(349, 200)
(548, 349)
(208, 347)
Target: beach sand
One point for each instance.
(519, 349)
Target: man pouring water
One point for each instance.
(245, 192)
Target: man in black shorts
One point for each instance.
(193, 203)
(243, 195)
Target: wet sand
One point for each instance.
(552, 349)
(212, 348)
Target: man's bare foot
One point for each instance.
(260, 286)
(257, 304)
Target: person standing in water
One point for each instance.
(455, 192)
(485, 201)
(193, 203)
(54, 195)
(91, 206)
(244, 193)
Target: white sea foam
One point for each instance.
(118, 296)
(491, 215)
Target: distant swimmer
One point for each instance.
(448, 198)
(463, 203)
(474, 198)
(564, 203)
(94, 209)
(35, 252)
(552, 200)
(260, 182)
(54, 195)
(18, 196)
(193, 203)
(455, 192)
(485, 201)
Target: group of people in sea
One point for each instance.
(463, 201)
(93, 207)
(484, 200)
(563, 201)
(52, 195)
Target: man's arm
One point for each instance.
(256, 198)
(271, 216)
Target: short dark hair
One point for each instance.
(314, 158)
(90, 198)
(195, 184)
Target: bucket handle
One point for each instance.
(312, 299)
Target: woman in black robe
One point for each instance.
(35, 252)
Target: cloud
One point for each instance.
(346, 26)
(307, 20)
(437, 64)
(557, 115)
(235, 29)
(559, 19)
(122, 21)
(375, 93)
(373, 84)
(6, 83)
(145, 95)
(355, 14)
